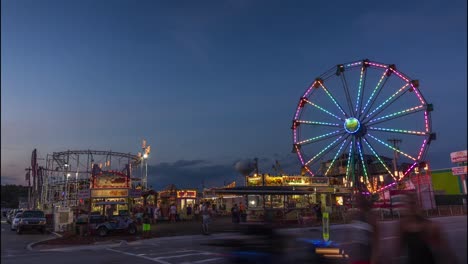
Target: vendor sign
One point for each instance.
(102, 193)
(186, 194)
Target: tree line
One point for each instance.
(12, 194)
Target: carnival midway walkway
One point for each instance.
(196, 248)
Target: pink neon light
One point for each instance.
(418, 94)
(297, 111)
(410, 168)
(400, 75)
(426, 120)
(377, 65)
(308, 90)
(422, 149)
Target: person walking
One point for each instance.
(157, 214)
(146, 225)
(421, 240)
(363, 234)
(206, 218)
(318, 212)
(242, 212)
(196, 212)
(189, 212)
(235, 214)
(173, 213)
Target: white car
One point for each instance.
(15, 221)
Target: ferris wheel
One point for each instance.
(364, 121)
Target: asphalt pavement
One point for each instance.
(199, 248)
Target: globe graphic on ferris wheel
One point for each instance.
(364, 123)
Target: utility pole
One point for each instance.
(395, 143)
(28, 178)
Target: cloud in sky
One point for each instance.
(199, 173)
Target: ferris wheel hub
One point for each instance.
(352, 125)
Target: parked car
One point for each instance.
(116, 224)
(16, 219)
(12, 215)
(32, 219)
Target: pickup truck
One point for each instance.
(31, 219)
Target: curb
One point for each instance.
(30, 245)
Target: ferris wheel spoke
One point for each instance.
(324, 150)
(362, 81)
(401, 113)
(391, 147)
(348, 165)
(316, 123)
(320, 82)
(322, 109)
(363, 163)
(400, 131)
(388, 101)
(320, 138)
(378, 88)
(346, 89)
(336, 156)
(378, 158)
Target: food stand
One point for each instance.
(110, 193)
(285, 197)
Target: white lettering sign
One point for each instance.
(459, 170)
(459, 156)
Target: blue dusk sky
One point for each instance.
(208, 83)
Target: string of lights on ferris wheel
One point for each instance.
(360, 118)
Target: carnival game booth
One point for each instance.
(180, 198)
(110, 193)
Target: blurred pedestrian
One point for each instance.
(235, 214)
(157, 213)
(242, 212)
(206, 217)
(173, 213)
(318, 212)
(189, 212)
(146, 225)
(363, 234)
(196, 212)
(421, 240)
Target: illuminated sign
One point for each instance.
(110, 180)
(459, 156)
(459, 170)
(187, 194)
(288, 181)
(109, 193)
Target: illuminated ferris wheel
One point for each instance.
(350, 119)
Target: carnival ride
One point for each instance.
(68, 172)
(347, 119)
